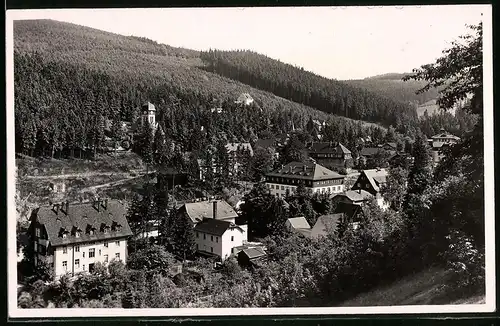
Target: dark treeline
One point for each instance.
(61, 107)
(307, 88)
(392, 86)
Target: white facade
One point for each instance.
(79, 258)
(221, 245)
(281, 190)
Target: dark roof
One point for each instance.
(392, 144)
(215, 227)
(329, 147)
(81, 216)
(357, 195)
(253, 253)
(265, 143)
(349, 210)
(305, 171)
(369, 151)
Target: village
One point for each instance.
(149, 175)
(74, 237)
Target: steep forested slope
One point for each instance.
(392, 86)
(69, 78)
(310, 89)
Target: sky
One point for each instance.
(335, 42)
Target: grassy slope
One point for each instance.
(423, 288)
(132, 58)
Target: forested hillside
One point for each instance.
(392, 86)
(69, 78)
(301, 86)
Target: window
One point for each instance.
(204, 236)
(117, 255)
(211, 249)
(232, 238)
(77, 248)
(197, 247)
(83, 253)
(272, 186)
(77, 234)
(65, 265)
(37, 231)
(99, 252)
(105, 244)
(83, 266)
(105, 258)
(117, 243)
(65, 250)
(64, 235)
(212, 238)
(91, 252)
(282, 187)
(197, 234)
(77, 263)
(217, 239)
(36, 247)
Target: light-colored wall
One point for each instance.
(204, 242)
(227, 245)
(101, 251)
(276, 189)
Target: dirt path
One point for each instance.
(109, 184)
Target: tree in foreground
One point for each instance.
(459, 73)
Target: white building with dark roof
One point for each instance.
(439, 142)
(372, 181)
(74, 237)
(314, 177)
(218, 237)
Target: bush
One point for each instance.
(466, 261)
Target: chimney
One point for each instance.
(305, 167)
(55, 208)
(64, 207)
(104, 203)
(215, 209)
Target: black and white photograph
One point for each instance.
(250, 161)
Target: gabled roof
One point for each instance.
(299, 223)
(197, 211)
(325, 223)
(369, 151)
(329, 147)
(444, 134)
(244, 97)
(233, 147)
(391, 144)
(148, 106)
(81, 216)
(349, 210)
(357, 195)
(265, 143)
(376, 177)
(253, 253)
(306, 171)
(215, 227)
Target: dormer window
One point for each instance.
(90, 229)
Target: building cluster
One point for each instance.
(73, 237)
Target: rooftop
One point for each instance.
(357, 195)
(107, 220)
(329, 147)
(197, 211)
(299, 222)
(215, 227)
(306, 171)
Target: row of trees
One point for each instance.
(305, 87)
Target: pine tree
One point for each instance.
(182, 235)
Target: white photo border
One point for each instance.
(490, 299)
